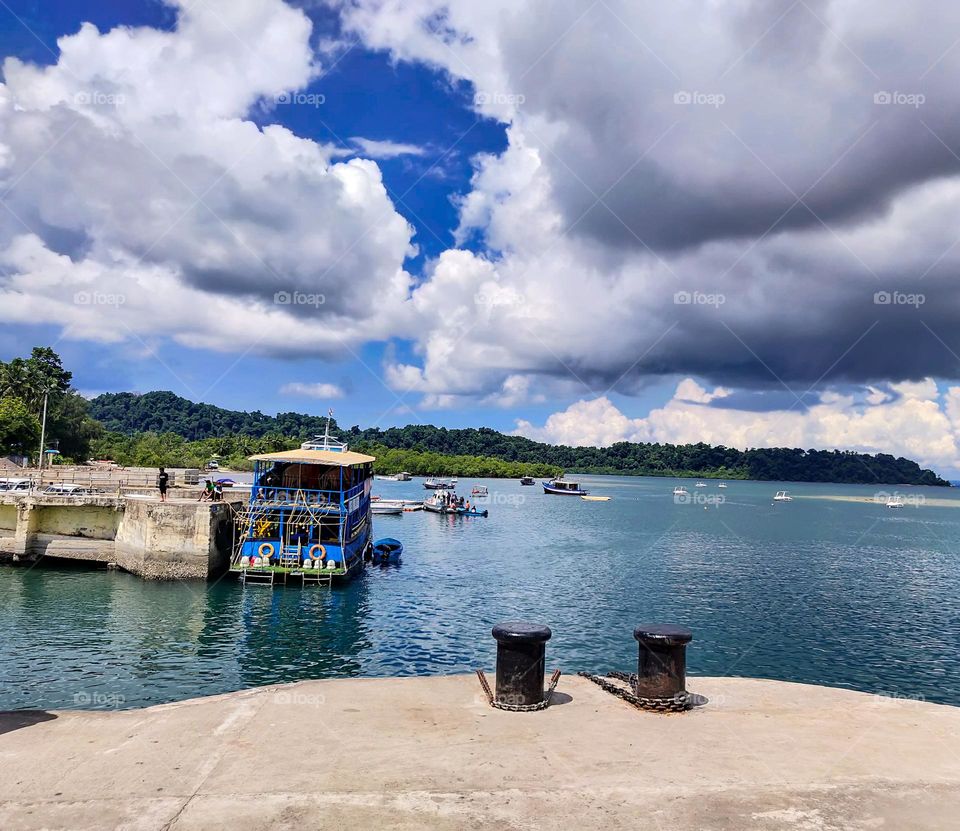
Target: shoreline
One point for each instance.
(430, 753)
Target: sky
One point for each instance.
(584, 222)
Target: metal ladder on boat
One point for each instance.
(257, 576)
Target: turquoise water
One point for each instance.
(828, 592)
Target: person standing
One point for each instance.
(162, 481)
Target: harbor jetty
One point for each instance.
(177, 539)
(417, 753)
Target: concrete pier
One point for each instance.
(430, 753)
(178, 539)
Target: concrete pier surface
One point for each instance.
(429, 753)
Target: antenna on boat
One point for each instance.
(326, 432)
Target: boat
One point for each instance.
(442, 502)
(394, 477)
(387, 550)
(782, 496)
(435, 483)
(308, 518)
(410, 508)
(527, 480)
(563, 487)
(386, 508)
(680, 491)
(447, 502)
(586, 498)
(700, 485)
(480, 490)
(722, 485)
(895, 502)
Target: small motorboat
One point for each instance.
(439, 484)
(563, 487)
(895, 502)
(782, 496)
(386, 506)
(442, 502)
(722, 485)
(527, 480)
(480, 490)
(680, 491)
(472, 512)
(700, 485)
(387, 550)
(595, 498)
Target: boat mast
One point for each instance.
(326, 432)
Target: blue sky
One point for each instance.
(365, 94)
(588, 222)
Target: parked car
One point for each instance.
(15, 485)
(64, 489)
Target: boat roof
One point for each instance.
(316, 457)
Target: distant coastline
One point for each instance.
(164, 428)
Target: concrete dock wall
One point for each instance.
(173, 540)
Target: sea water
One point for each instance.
(821, 590)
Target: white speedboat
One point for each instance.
(700, 485)
(385, 507)
(722, 485)
(782, 496)
(895, 502)
(680, 491)
(435, 483)
(442, 502)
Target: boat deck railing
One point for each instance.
(333, 500)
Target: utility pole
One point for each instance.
(43, 434)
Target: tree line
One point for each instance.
(161, 428)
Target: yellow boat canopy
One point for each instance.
(316, 457)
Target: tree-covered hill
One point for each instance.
(165, 412)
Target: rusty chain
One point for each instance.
(675, 704)
(519, 708)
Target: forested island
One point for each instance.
(161, 428)
(166, 413)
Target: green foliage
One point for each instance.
(419, 463)
(19, 428)
(165, 412)
(29, 380)
(162, 428)
(629, 458)
(170, 450)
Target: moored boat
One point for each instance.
(442, 502)
(563, 487)
(308, 517)
(527, 480)
(437, 483)
(385, 507)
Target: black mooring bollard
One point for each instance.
(521, 661)
(662, 664)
